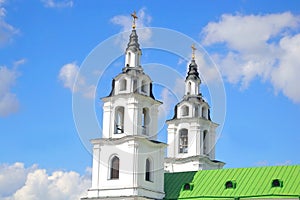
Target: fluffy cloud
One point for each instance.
(71, 79)
(18, 182)
(57, 4)
(9, 185)
(6, 30)
(208, 73)
(264, 46)
(8, 100)
(125, 21)
(285, 76)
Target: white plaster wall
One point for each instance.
(195, 129)
(191, 166)
(133, 107)
(132, 155)
(132, 58)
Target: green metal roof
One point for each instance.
(174, 181)
(250, 183)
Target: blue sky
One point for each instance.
(255, 45)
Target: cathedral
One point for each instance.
(130, 163)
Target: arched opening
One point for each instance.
(205, 142)
(119, 120)
(183, 141)
(230, 184)
(204, 112)
(188, 186)
(129, 58)
(189, 88)
(145, 121)
(144, 86)
(196, 110)
(114, 168)
(184, 111)
(148, 172)
(134, 86)
(123, 84)
(277, 183)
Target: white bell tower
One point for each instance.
(128, 162)
(191, 133)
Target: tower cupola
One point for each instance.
(192, 81)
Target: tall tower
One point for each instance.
(191, 133)
(127, 160)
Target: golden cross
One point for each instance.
(134, 17)
(193, 51)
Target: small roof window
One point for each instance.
(230, 184)
(187, 186)
(277, 183)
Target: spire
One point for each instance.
(133, 51)
(193, 67)
(133, 43)
(192, 81)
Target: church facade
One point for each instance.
(129, 162)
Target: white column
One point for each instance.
(171, 141)
(135, 165)
(198, 141)
(131, 122)
(96, 167)
(201, 142)
(108, 121)
(153, 122)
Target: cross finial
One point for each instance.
(134, 17)
(193, 51)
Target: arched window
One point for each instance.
(145, 121)
(189, 88)
(205, 142)
(230, 184)
(277, 183)
(188, 186)
(183, 141)
(148, 172)
(114, 168)
(134, 86)
(123, 84)
(196, 111)
(144, 86)
(119, 120)
(204, 112)
(129, 58)
(184, 111)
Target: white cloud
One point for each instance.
(6, 30)
(8, 100)
(69, 73)
(9, 185)
(285, 77)
(18, 182)
(263, 46)
(207, 72)
(58, 4)
(125, 21)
